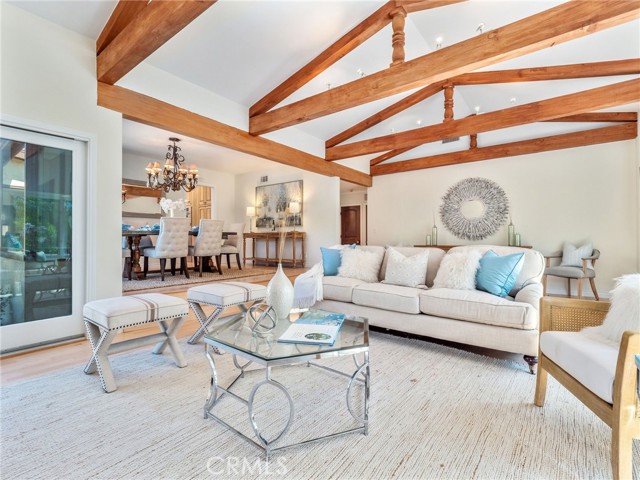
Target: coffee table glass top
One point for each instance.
(235, 333)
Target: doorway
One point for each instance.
(42, 269)
(350, 225)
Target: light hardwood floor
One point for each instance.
(23, 366)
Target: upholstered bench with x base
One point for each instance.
(221, 295)
(104, 319)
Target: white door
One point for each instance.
(42, 274)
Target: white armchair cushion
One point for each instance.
(572, 256)
(589, 361)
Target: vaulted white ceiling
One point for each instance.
(242, 49)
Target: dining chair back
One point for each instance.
(172, 243)
(208, 242)
(233, 244)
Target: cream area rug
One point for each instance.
(436, 412)
(153, 279)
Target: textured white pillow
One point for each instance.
(572, 256)
(406, 271)
(360, 264)
(458, 270)
(624, 313)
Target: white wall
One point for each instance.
(321, 205)
(48, 77)
(578, 195)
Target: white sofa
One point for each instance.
(471, 317)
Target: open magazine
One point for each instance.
(315, 327)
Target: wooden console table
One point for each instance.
(446, 248)
(267, 237)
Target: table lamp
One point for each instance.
(294, 209)
(251, 212)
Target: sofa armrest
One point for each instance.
(530, 294)
(571, 315)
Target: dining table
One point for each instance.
(133, 242)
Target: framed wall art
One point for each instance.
(272, 202)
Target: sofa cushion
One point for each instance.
(433, 264)
(330, 261)
(388, 297)
(497, 274)
(479, 307)
(339, 288)
(532, 268)
(407, 271)
(458, 270)
(361, 264)
(591, 362)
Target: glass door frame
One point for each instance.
(34, 333)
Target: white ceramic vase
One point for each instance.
(280, 294)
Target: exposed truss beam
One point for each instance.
(558, 72)
(595, 99)
(348, 42)
(386, 156)
(579, 70)
(411, 6)
(150, 111)
(599, 117)
(122, 15)
(152, 27)
(625, 131)
(559, 24)
(388, 112)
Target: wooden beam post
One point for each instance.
(448, 102)
(625, 131)
(595, 99)
(397, 40)
(558, 24)
(150, 111)
(473, 141)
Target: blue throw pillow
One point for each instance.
(331, 260)
(497, 275)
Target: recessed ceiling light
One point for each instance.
(513, 100)
(328, 86)
(418, 122)
(477, 108)
(480, 28)
(360, 73)
(439, 42)
(392, 130)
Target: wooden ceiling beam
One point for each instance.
(557, 72)
(595, 99)
(122, 15)
(388, 112)
(599, 117)
(348, 42)
(154, 25)
(386, 156)
(411, 6)
(150, 111)
(558, 24)
(625, 131)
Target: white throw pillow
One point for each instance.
(624, 313)
(406, 271)
(360, 264)
(572, 256)
(458, 270)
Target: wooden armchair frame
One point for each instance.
(623, 416)
(595, 255)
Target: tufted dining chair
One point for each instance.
(126, 255)
(172, 243)
(232, 245)
(208, 243)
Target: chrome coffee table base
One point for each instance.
(360, 376)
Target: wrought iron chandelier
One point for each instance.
(175, 175)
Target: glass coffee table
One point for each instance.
(235, 336)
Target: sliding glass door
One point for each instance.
(42, 225)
